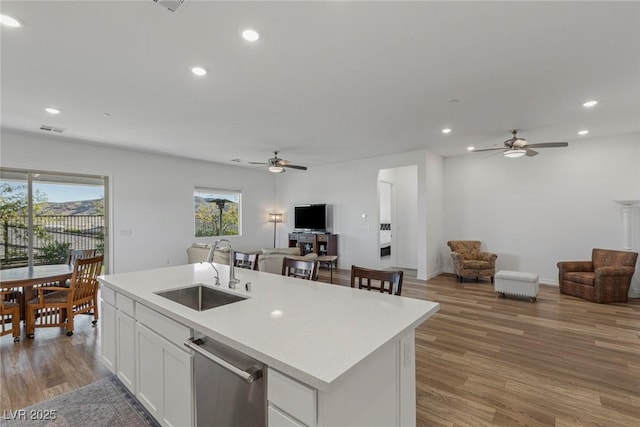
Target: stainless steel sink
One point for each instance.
(200, 297)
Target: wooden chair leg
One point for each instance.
(31, 321)
(15, 324)
(70, 317)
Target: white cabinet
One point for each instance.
(378, 392)
(150, 368)
(164, 378)
(178, 397)
(144, 349)
(118, 337)
(290, 400)
(125, 332)
(277, 418)
(108, 347)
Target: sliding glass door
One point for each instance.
(44, 215)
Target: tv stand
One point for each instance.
(320, 244)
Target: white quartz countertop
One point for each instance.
(316, 332)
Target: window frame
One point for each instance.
(31, 177)
(205, 192)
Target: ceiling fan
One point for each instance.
(518, 147)
(278, 165)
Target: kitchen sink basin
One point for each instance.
(200, 297)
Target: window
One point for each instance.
(43, 215)
(216, 212)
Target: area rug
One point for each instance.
(104, 403)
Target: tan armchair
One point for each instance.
(470, 261)
(606, 278)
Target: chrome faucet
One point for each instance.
(232, 272)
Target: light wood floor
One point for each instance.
(481, 360)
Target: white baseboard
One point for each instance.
(434, 274)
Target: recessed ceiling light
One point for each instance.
(446, 131)
(52, 110)
(198, 71)
(9, 21)
(250, 35)
(471, 148)
(583, 132)
(589, 103)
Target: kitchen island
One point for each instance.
(335, 355)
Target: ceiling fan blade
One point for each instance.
(548, 145)
(303, 168)
(491, 155)
(530, 153)
(487, 149)
(257, 163)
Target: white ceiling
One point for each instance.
(326, 81)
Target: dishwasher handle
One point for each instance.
(250, 375)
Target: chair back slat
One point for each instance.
(302, 269)
(83, 281)
(384, 281)
(245, 260)
(76, 254)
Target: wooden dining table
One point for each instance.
(28, 277)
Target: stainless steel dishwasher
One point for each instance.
(230, 386)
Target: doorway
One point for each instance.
(44, 215)
(398, 217)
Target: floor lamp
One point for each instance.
(626, 222)
(275, 218)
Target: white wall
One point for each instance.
(534, 212)
(151, 195)
(351, 190)
(433, 225)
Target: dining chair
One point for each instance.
(389, 281)
(75, 254)
(245, 260)
(57, 306)
(10, 313)
(302, 269)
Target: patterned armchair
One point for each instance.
(469, 261)
(606, 278)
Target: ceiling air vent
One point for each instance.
(51, 129)
(172, 5)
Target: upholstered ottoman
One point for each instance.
(517, 283)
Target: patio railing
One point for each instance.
(53, 236)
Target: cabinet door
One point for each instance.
(150, 370)
(277, 418)
(126, 335)
(178, 391)
(291, 397)
(108, 335)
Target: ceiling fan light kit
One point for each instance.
(276, 169)
(515, 153)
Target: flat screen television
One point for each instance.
(310, 217)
